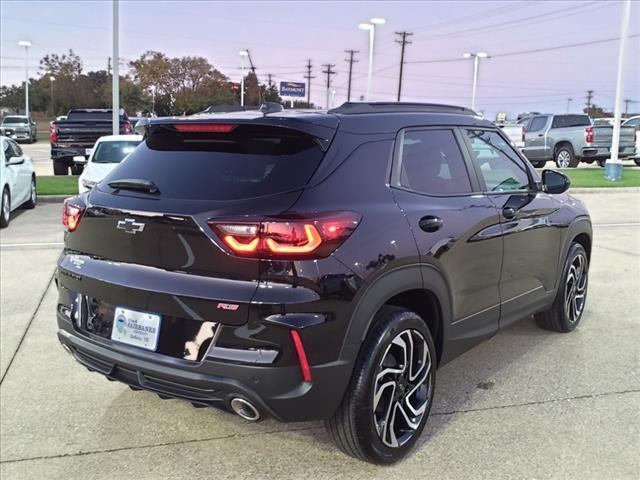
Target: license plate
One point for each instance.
(140, 329)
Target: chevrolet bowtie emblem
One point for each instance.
(129, 225)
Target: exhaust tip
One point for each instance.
(245, 409)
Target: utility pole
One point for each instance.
(269, 82)
(309, 77)
(329, 73)
(115, 79)
(569, 100)
(351, 62)
(589, 98)
(627, 101)
(403, 42)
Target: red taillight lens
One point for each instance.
(302, 356)
(204, 127)
(53, 135)
(294, 237)
(589, 135)
(71, 214)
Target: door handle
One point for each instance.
(509, 212)
(430, 223)
(541, 134)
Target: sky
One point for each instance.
(281, 36)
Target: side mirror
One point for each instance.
(15, 160)
(555, 182)
(80, 160)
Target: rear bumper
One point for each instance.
(278, 392)
(599, 153)
(58, 152)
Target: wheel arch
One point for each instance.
(560, 144)
(420, 288)
(580, 231)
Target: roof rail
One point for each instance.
(353, 108)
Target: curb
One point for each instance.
(605, 190)
(53, 198)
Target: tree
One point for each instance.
(252, 91)
(270, 93)
(595, 111)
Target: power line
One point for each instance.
(351, 62)
(560, 47)
(403, 42)
(329, 72)
(309, 77)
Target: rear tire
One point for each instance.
(568, 306)
(637, 161)
(565, 158)
(601, 163)
(387, 403)
(33, 198)
(60, 167)
(538, 163)
(5, 208)
(77, 169)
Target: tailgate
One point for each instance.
(604, 136)
(85, 133)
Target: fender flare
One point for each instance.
(394, 282)
(581, 225)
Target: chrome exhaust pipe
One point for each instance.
(245, 409)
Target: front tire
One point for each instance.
(568, 306)
(565, 158)
(538, 163)
(5, 208)
(389, 398)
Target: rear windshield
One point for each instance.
(563, 121)
(249, 161)
(14, 120)
(79, 116)
(113, 152)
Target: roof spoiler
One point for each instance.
(353, 108)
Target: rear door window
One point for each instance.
(431, 162)
(248, 161)
(565, 121)
(501, 168)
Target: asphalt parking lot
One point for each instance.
(526, 404)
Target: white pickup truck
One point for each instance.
(515, 132)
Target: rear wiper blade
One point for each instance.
(134, 184)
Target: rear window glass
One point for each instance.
(563, 121)
(79, 116)
(113, 152)
(15, 120)
(250, 161)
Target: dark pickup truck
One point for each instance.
(76, 135)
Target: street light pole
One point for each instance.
(613, 166)
(243, 54)
(476, 63)
(51, 80)
(569, 104)
(26, 44)
(371, 28)
(115, 76)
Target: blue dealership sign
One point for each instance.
(292, 89)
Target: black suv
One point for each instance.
(312, 265)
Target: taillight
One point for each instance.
(524, 131)
(72, 211)
(287, 237)
(589, 135)
(53, 134)
(128, 128)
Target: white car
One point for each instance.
(17, 179)
(106, 154)
(635, 122)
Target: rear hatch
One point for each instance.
(155, 252)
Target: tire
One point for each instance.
(5, 208)
(359, 429)
(77, 169)
(574, 283)
(60, 167)
(565, 158)
(33, 198)
(637, 161)
(601, 163)
(538, 163)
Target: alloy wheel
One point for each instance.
(402, 388)
(564, 159)
(6, 205)
(575, 288)
(34, 195)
